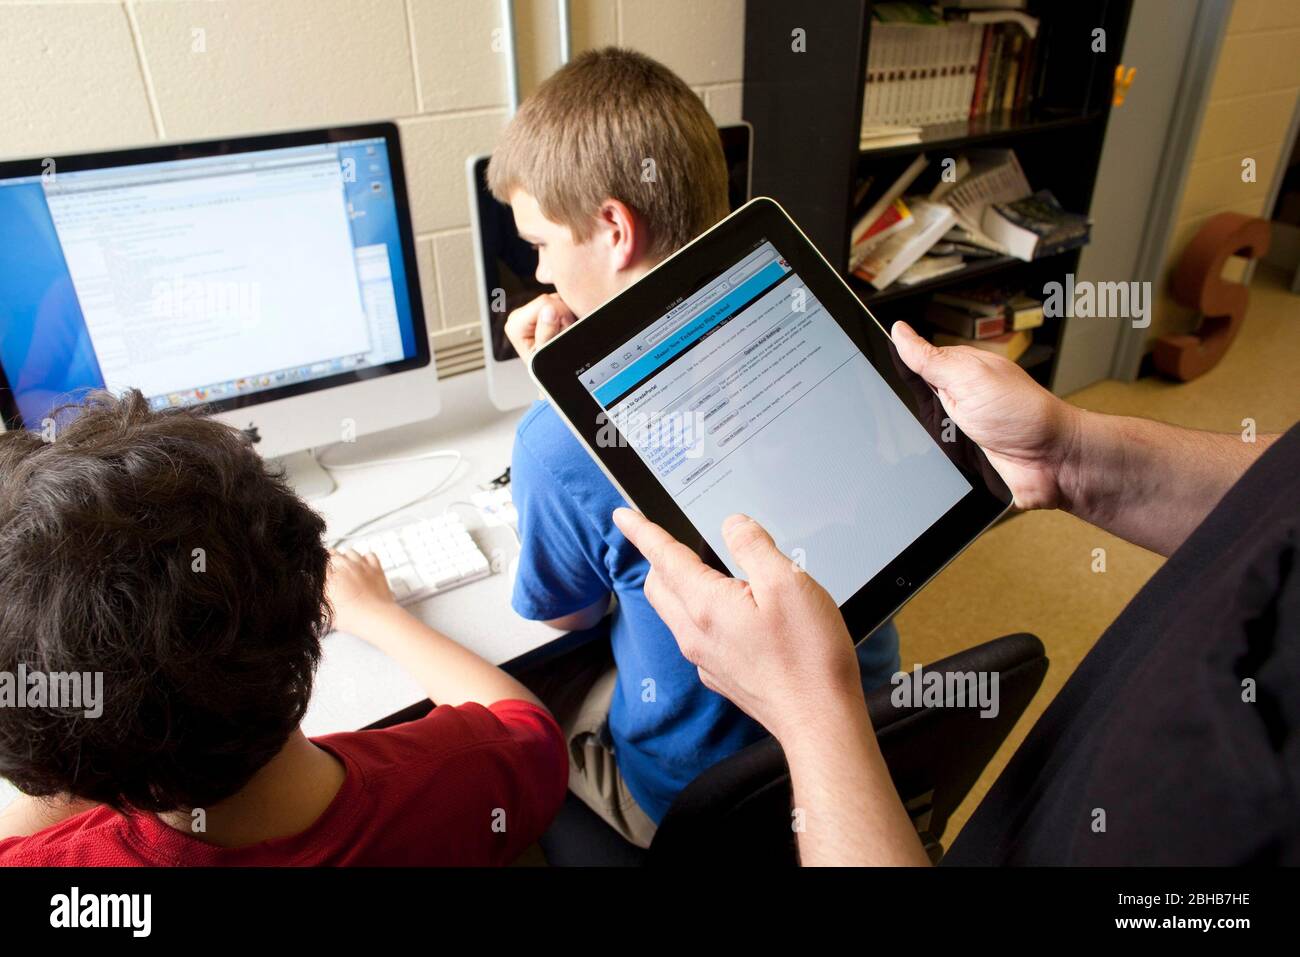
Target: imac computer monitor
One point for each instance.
(506, 265)
(270, 280)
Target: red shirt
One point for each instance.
(467, 785)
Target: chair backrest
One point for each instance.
(739, 811)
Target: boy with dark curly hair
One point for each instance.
(154, 554)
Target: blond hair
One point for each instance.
(615, 124)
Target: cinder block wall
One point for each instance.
(79, 75)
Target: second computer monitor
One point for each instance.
(506, 265)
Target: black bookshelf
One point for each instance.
(995, 130)
(806, 110)
(974, 271)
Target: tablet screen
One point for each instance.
(747, 396)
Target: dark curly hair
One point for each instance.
(207, 657)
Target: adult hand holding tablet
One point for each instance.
(743, 375)
(754, 622)
(777, 648)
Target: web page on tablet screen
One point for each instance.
(747, 396)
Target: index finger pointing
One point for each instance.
(649, 538)
(678, 566)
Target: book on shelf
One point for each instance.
(1035, 226)
(996, 67)
(888, 260)
(930, 267)
(1012, 345)
(992, 176)
(879, 136)
(1015, 50)
(969, 250)
(880, 208)
(981, 5)
(1005, 77)
(1027, 23)
(973, 242)
(978, 301)
(981, 207)
(1024, 312)
(1017, 310)
(893, 219)
(959, 322)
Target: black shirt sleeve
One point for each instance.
(1175, 741)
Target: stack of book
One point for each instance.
(901, 255)
(893, 239)
(985, 208)
(985, 317)
(924, 68)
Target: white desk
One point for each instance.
(357, 684)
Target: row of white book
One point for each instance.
(921, 74)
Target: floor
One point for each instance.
(1034, 572)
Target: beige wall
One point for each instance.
(1253, 97)
(90, 74)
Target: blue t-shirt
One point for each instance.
(666, 726)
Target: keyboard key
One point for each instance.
(427, 557)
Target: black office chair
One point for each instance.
(739, 811)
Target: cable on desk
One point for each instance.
(373, 463)
(446, 480)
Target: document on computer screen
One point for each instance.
(173, 275)
(756, 401)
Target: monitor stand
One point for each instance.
(305, 475)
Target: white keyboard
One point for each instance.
(425, 558)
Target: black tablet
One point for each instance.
(743, 375)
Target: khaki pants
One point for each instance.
(578, 688)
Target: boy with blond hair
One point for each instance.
(610, 167)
